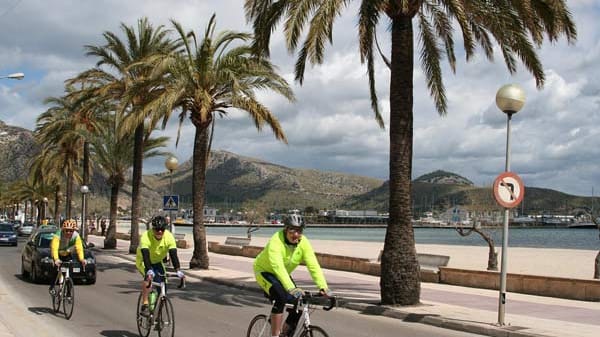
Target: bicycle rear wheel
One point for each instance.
(68, 297)
(165, 321)
(259, 327)
(144, 324)
(314, 331)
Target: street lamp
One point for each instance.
(45, 208)
(15, 76)
(510, 99)
(171, 165)
(84, 189)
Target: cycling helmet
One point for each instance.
(294, 220)
(159, 222)
(69, 224)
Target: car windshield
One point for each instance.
(43, 240)
(6, 228)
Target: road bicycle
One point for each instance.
(64, 289)
(162, 316)
(260, 325)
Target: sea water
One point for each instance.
(568, 238)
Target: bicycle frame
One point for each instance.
(162, 285)
(304, 304)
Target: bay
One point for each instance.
(566, 238)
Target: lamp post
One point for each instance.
(15, 76)
(171, 165)
(45, 200)
(510, 99)
(84, 190)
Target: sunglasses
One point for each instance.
(295, 230)
(159, 229)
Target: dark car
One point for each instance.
(8, 236)
(37, 265)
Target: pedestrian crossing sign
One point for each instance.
(170, 202)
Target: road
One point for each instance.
(202, 309)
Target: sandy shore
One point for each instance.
(569, 263)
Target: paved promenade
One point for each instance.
(466, 309)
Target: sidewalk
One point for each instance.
(466, 309)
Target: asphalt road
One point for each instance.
(202, 309)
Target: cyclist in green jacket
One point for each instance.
(285, 250)
(154, 246)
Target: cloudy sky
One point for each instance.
(555, 138)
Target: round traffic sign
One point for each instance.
(508, 189)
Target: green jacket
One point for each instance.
(280, 259)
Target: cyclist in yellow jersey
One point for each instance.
(65, 244)
(283, 253)
(153, 248)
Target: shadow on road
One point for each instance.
(41, 310)
(118, 333)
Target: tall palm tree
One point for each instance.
(516, 26)
(208, 78)
(56, 128)
(119, 56)
(113, 154)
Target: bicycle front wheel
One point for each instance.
(259, 327)
(314, 331)
(165, 322)
(56, 298)
(68, 297)
(144, 324)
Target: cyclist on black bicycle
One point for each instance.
(64, 244)
(153, 248)
(283, 253)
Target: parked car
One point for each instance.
(26, 229)
(37, 265)
(8, 236)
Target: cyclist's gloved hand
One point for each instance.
(57, 263)
(296, 292)
(83, 263)
(150, 273)
(180, 274)
(326, 292)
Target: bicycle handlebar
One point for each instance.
(306, 298)
(167, 275)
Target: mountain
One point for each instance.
(234, 181)
(17, 147)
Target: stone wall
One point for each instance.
(576, 289)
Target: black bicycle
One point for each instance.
(162, 316)
(260, 325)
(64, 290)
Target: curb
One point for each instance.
(381, 310)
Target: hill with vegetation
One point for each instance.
(234, 181)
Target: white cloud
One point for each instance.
(331, 126)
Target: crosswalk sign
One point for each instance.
(170, 202)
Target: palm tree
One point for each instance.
(113, 154)
(120, 57)
(207, 78)
(56, 129)
(516, 26)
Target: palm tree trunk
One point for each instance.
(136, 184)
(400, 283)
(69, 193)
(57, 205)
(110, 241)
(200, 256)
